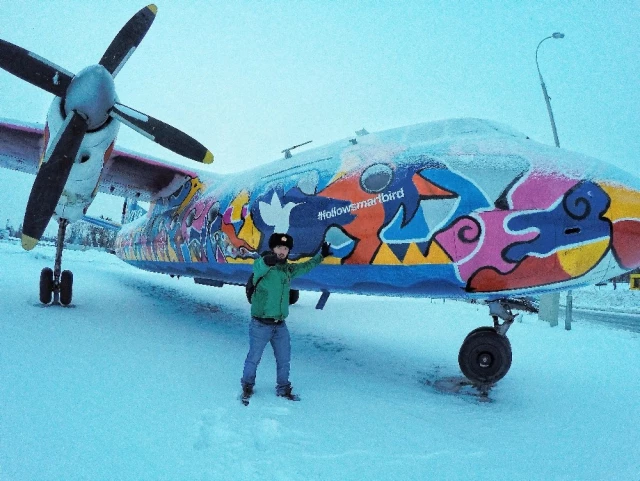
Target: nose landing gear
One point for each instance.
(485, 355)
(57, 283)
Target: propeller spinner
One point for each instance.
(89, 101)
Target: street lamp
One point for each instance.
(544, 88)
(569, 307)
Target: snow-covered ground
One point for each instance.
(139, 379)
(607, 298)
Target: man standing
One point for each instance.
(272, 276)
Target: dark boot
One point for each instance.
(288, 394)
(247, 390)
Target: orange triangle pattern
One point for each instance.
(429, 189)
(435, 255)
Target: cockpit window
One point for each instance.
(376, 178)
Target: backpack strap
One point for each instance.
(261, 277)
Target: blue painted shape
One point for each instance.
(306, 224)
(397, 231)
(577, 219)
(438, 280)
(471, 198)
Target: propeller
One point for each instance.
(51, 179)
(161, 133)
(89, 100)
(128, 38)
(34, 69)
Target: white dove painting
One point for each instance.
(275, 214)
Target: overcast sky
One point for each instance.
(250, 78)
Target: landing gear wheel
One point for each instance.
(485, 356)
(294, 295)
(46, 285)
(66, 288)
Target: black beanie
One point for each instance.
(280, 240)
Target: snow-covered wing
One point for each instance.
(129, 174)
(20, 146)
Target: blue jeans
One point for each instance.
(259, 336)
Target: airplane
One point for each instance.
(462, 208)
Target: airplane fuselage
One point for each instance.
(460, 208)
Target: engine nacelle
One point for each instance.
(82, 185)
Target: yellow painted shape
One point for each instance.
(239, 260)
(578, 260)
(208, 158)
(196, 186)
(625, 202)
(437, 255)
(338, 175)
(153, 8)
(332, 260)
(237, 204)
(385, 256)
(413, 255)
(249, 233)
(173, 257)
(634, 282)
(28, 243)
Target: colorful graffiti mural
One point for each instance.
(479, 215)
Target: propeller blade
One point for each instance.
(51, 179)
(163, 134)
(128, 38)
(34, 69)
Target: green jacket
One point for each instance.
(271, 296)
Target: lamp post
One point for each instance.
(544, 88)
(569, 307)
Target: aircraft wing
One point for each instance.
(20, 146)
(126, 174)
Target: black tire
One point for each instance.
(294, 295)
(66, 288)
(46, 285)
(485, 356)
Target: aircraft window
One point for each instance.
(376, 178)
(572, 230)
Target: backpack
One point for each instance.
(250, 287)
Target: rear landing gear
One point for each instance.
(485, 355)
(54, 283)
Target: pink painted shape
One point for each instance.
(540, 190)
(226, 218)
(451, 243)
(202, 208)
(496, 239)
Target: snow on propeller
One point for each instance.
(80, 135)
(463, 208)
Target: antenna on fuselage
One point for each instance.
(359, 133)
(287, 152)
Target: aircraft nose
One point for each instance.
(624, 215)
